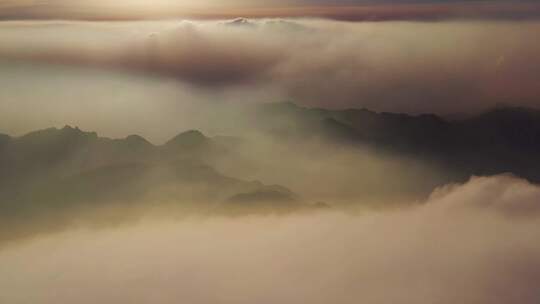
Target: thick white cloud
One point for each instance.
(504, 195)
(472, 243)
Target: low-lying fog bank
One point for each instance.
(470, 243)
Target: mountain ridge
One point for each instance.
(500, 140)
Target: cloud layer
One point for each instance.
(471, 243)
(443, 67)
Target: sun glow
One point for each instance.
(153, 5)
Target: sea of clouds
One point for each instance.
(469, 243)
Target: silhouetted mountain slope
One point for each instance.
(49, 175)
(498, 141)
(67, 151)
(63, 168)
(4, 139)
(137, 183)
(193, 143)
(189, 139)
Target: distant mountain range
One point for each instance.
(47, 175)
(502, 140)
(71, 156)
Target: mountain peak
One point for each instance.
(240, 22)
(136, 138)
(188, 138)
(70, 128)
(137, 141)
(66, 132)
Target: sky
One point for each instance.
(341, 9)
